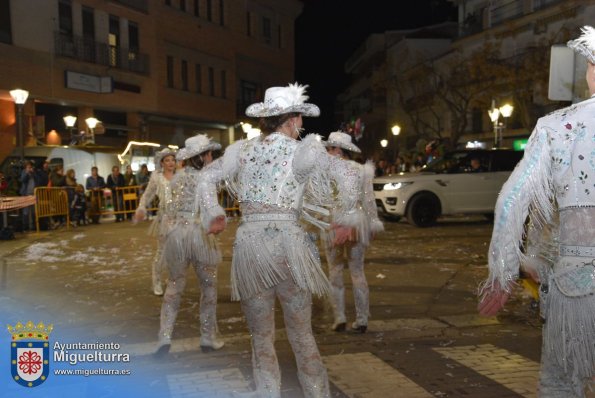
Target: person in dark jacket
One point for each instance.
(116, 180)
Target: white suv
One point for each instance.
(449, 185)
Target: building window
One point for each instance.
(114, 40)
(196, 8)
(88, 23)
(65, 17)
(198, 73)
(184, 71)
(88, 34)
(248, 24)
(223, 84)
(248, 93)
(5, 28)
(211, 82)
(221, 12)
(210, 10)
(133, 38)
(183, 5)
(170, 71)
(266, 29)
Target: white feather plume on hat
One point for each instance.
(585, 43)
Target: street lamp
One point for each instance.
(383, 143)
(91, 123)
(396, 129)
(70, 120)
(20, 97)
(250, 131)
(505, 111)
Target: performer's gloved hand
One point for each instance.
(217, 225)
(343, 234)
(493, 299)
(139, 215)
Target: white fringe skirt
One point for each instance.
(569, 333)
(187, 242)
(268, 252)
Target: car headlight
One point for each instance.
(391, 186)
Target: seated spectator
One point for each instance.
(476, 166)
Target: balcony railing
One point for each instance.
(87, 50)
(541, 4)
(507, 10)
(140, 5)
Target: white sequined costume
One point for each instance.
(193, 206)
(556, 177)
(158, 186)
(352, 253)
(273, 255)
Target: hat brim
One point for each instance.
(187, 153)
(260, 110)
(582, 49)
(342, 145)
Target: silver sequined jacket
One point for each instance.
(555, 176)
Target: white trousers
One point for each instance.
(207, 276)
(351, 253)
(297, 311)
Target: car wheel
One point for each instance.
(423, 210)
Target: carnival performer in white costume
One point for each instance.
(193, 206)
(555, 179)
(165, 168)
(276, 178)
(339, 144)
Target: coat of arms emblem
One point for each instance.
(30, 353)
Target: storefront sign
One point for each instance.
(90, 83)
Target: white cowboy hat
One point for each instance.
(585, 44)
(281, 100)
(196, 145)
(341, 140)
(162, 154)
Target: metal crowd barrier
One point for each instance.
(51, 202)
(125, 200)
(54, 202)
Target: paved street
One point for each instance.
(424, 339)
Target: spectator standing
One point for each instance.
(29, 180)
(95, 185)
(129, 181)
(114, 181)
(78, 206)
(70, 185)
(129, 177)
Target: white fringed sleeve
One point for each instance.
(207, 192)
(528, 187)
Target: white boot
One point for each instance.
(163, 347)
(338, 303)
(157, 289)
(210, 343)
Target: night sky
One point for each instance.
(328, 32)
